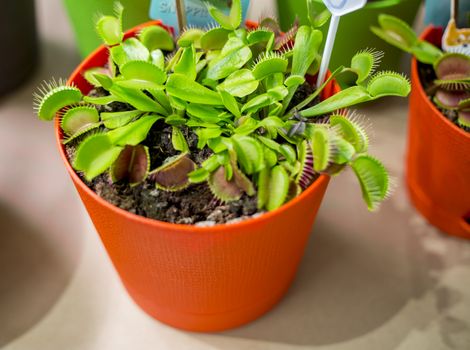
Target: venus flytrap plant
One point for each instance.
(236, 90)
(450, 90)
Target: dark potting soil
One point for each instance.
(427, 77)
(193, 205)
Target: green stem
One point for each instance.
(313, 96)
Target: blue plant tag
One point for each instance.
(196, 12)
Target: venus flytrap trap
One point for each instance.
(236, 91)
(450, 90)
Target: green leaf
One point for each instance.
(52, 98)
(79, 118)
(175, 120)
(102, 100)
(173, 59)
(143, 71)
(204, 113)
(138, 84)
(246, 126)
(191, 36)
(317, 92)
(137, 99)
(343, 151)
(217, 144)
(388, 84)
(278, 187)
(263, 188)
(104, 80)
(109, 28)
(118, 55)
(321, 148)
(270, 143)
(205, 134)
(270, 157)
(249, 154)
(214, 39)
(426, 52)
(240, 83)
(352, 131)
(395, 32)
(272, 124)
(274, 80)
(89, 75)
(158, 58)
(278, 93)
(289, 153)
(156, 37)
(257, 102)
(230, 22)
(162, 98)
(345, 98)
(294, 80)
(95, 155)
(178, 140)
(317, 20)
(269, 64)
(230, 103)
(187, 64)
(114, 120)
(186, 89)
(135, 50)
(261, 36)
(198, 176)
(234, 56)
(212, 163)
(307, 43)
(81, 132)
(365, 62)
(133, 133)
(373, 178)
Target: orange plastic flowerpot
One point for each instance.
(438, 163)
(201, 278)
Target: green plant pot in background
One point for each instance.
(354, 29)
(82, 14)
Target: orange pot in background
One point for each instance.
(438, 173)
(194, 278)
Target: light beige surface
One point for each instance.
(368, 281)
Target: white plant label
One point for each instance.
(342, 7)
(337, 8)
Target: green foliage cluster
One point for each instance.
(451, 88)
(233, 87)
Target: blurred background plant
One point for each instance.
(18, 28)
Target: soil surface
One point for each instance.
(195, 205)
